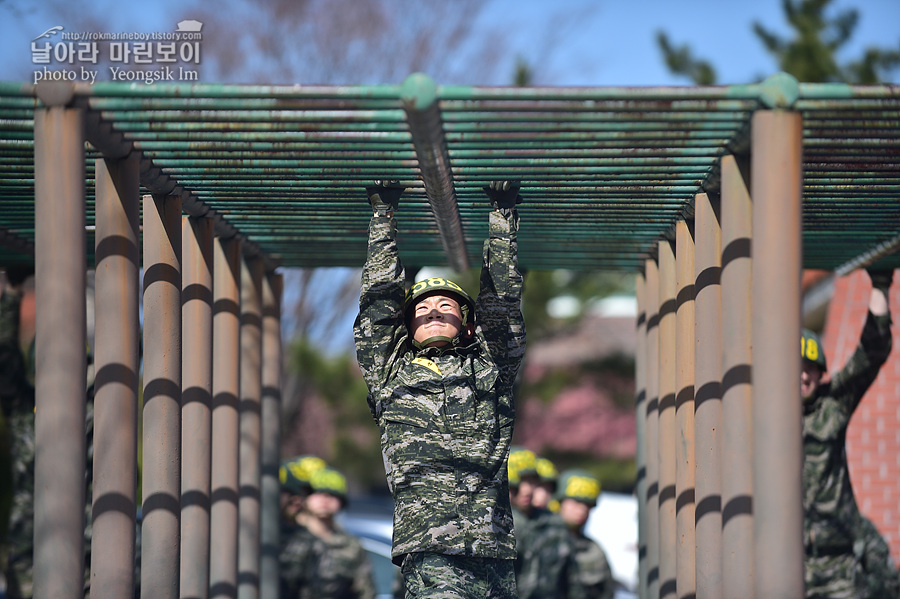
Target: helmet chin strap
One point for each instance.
(423, 344)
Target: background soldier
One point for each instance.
(440, 369)
(545, 552)
(845, 555)
(320, 560)
(544, 495)
(578, 494)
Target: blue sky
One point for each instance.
(612, 42)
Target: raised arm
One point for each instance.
(379, 329)
(499, 304)
(874, 347)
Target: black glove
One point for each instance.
(384, 196)
(881, 278)
(503, 194)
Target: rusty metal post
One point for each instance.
(684, 410)
(161, 482)
(668, 541)
(776, 180)
(60, 338)
(117, 363)
(737, 406)
(651, 271)
(223, 534)
(270, 452)
(640, 406)
(196, 404)
(251, 388)
(708, 397)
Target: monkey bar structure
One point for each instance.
(715, 198)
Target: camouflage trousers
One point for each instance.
(438, 576)
(865, 571)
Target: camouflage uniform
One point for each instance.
(445, 414)
(316, 568)
(546, 556)
(17, 397)
(594, 576)
(834, 530)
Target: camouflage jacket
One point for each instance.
(545, 562)
(445, 416)
(831, 514)
(316, 568)
(592, 572)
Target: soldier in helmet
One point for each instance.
(440, 369)
(845, 555)
(544, 496)
(577, 494)
(320, 560)
(545, 551)
(294, 475)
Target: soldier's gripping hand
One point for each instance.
(504, 195)
(384, 196)
(881, 278)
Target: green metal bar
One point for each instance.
(268, 126)
(241, 116)
(226, 103)
(215, 90)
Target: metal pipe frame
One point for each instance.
(196, 406)
(117, 364)
(419, 98)
(270, 450)
(776, 181)
(684, 411)
(160, 529)
(668, 538)
(250, 429)
(708, 398)
(61, 368)
(651, 272)
(640, 406)
(224, 480)
(737, 390)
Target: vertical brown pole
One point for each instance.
(251, 387)
(684, 410)
(223, 537)
(651, 271)
(161, 481)
(60, 338)
(708, 399)
(737, 406)
(270, 451)
(117, 362)
(776, 179)
(640, 375)
(196, 419)
(668, 542)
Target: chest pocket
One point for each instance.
(417, 396)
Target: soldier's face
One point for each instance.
(323, 505)
(436, 316)
(574, 513)
(522, 496)
(810, 377)
(541, 495)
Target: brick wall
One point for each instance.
(873, 439)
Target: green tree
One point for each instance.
(810, 54)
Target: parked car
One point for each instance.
(374, 529)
